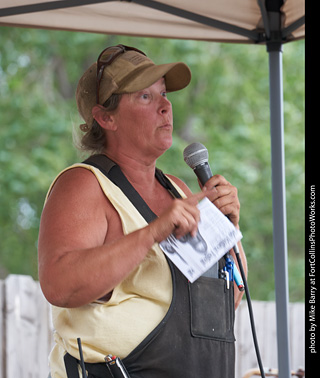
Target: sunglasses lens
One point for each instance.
(109, 53)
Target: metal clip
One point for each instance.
(116, 367)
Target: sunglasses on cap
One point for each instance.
(108, 56)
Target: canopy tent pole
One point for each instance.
(279, 212)
(274, 48)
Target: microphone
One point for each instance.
(196, 156)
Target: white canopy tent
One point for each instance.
(269, 22)
(244, 21)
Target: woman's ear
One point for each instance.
(105, 120)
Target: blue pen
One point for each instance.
(237, 278)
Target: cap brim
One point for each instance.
(177, 76)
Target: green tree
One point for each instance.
(226, 107)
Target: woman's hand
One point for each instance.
(224, 196)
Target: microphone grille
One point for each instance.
(195, 154)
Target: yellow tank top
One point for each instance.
(136, 307)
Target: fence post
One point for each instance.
(27, 322)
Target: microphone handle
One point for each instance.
(203, 172)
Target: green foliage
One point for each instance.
(226, 107)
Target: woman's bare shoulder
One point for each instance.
(181, 184)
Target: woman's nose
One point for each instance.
(165, 105)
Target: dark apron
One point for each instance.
(195, 338)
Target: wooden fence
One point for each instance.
(26, 332)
